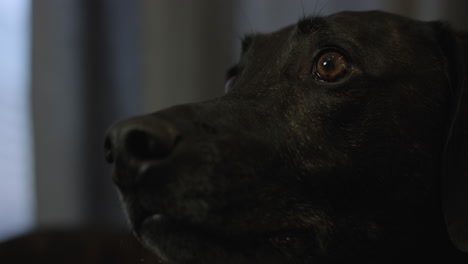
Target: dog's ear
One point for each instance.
(454, 180)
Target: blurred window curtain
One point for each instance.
(85, 75)
(16, 175)
(188, 46)
(267, 15)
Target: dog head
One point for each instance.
(332, 142)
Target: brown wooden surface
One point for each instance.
(75, 246)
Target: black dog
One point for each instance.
(341, 139)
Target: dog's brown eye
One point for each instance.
(229, 83)
(331, 66)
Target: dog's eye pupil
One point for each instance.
(229, 83)
(331, 66)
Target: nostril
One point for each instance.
(108, 150)
(143, 145)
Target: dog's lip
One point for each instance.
(155, 218)
(159, 223)
(139, 225)
(162, 224)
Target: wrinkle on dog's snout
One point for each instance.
(140, 140)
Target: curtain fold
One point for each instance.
(85, 75)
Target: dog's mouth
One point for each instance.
(173, 240)
(181, 242)
(158, 227)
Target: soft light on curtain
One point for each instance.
(16, 174)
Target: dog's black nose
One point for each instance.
(142, 138)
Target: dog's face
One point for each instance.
(327, 146)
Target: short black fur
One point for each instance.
(286, 168)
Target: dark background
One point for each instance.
(93, 62)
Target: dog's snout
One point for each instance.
(141, 139)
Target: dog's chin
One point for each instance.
(178, 243)
(165, 240)
(175, 242)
